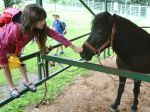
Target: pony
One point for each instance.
(130, 43)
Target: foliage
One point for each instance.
(143, 2)
(8, 3)
(58, 1)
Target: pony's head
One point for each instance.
(99, 36)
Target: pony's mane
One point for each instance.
(129, 32)
(131, 42)
(99, 16)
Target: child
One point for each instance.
(57, 26)
(16, 34)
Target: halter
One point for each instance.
(109, 41)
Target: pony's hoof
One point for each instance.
(112, 110)
(133, 110)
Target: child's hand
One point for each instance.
(48, 49)
(76, 49)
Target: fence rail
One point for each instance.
(91, 66)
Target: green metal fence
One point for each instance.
(109, 70)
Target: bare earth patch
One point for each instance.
(96, 93)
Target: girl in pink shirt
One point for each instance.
(16, 34)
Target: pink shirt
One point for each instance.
(12, 40)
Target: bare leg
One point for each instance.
(61, 47)
(24, 73)
(13, 91)
(27, 84)
(57, 50)
(122, 81)
(8, 76)
(136, 92)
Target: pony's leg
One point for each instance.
(136, 92)
(122, 81)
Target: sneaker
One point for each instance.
(62, 52)
(14, 93)
(30, 86)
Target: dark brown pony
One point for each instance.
(131, 44)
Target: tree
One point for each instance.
(56, 1)
(8, 3)
(143, 2)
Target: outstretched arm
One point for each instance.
(62, 40)
(76, 49)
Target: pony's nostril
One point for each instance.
(82, 54)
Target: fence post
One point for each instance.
(39, 67)
(139, 11)
(93, 3)
(105, 5)
(148, 15)
(130, 10)
(46, 68)
(39, 2)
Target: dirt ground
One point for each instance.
(96, 93)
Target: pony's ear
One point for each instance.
(107, 14)
(112, 18)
